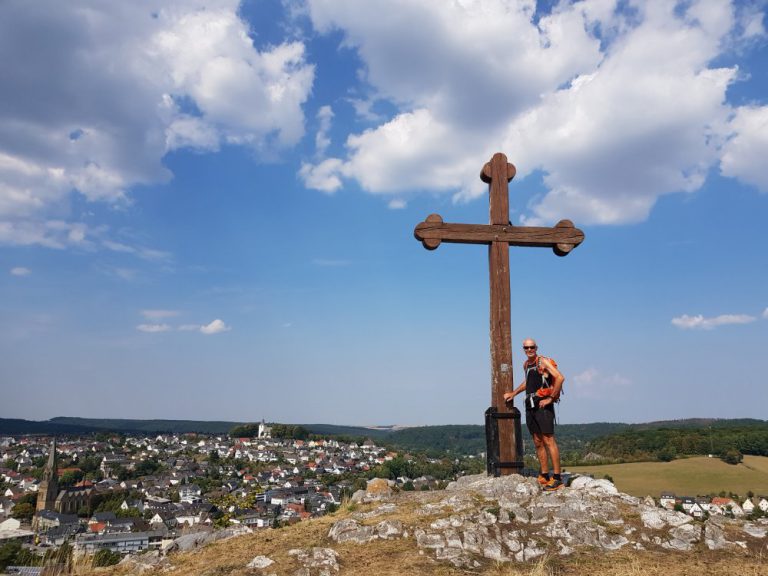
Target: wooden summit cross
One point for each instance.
(500, 234)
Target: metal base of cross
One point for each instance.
(494, 464)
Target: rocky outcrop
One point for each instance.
(509, 519)
(316, 561)
(201, 538)
(478, 519)
(152, 562)
(260, 563)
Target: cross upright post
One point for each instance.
(499, 234)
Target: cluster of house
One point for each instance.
(699, 507)
(170, 501)
(160, 521)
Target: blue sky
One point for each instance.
(207, 208)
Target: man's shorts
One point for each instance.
(540, 420)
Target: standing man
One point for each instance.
(543, 382)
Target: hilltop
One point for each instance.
(479, 525)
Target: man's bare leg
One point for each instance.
(550, 447)
(541, 453)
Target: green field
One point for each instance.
(686, 477)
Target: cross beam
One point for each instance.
(499, 235)
(563, 238)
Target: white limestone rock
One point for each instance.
(683, 537)
(387, 529)
(260, 562)
(754, 530)
(658, 518)
(320, 561)
(349, 530)
(714, 538)
(387, 508)
(429, 539)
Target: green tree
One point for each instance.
(732, 456)
(130, 513)
(23, 511)
(105, 558)
(29, 498)
(147, 467)
(8, 553)
(70, 478)
(26, 557)
(667, 454)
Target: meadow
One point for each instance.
(693, 476)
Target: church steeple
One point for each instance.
(49, 485)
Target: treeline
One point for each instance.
(444, 469)
(669, 443)
(131, 426)
(437, 440)
(294, 431)
(470, 439)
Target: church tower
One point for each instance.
(49, 485)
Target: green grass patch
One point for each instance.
(686, 477)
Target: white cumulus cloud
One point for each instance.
(613, 105)
(592, 383)
(745, 153)
(699, 322)
(96, 93)
(215, 327)
(20, 271)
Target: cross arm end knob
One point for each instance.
(431, 221)
(564, 248)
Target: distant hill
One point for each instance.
(334, 430)
(470, 438)
(612, 439)
(149, 426)
(666, 441)
(700, 423)
(74, 425)
(16, 426)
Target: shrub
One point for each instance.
(105, 558)
(732, 456)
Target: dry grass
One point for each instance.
(634, 563)
(402, 557)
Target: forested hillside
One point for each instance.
(668, 443)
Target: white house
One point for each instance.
(189, 493)
(696, 510)
(264, 430)
(687, 503)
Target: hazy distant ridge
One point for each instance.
(459, 439)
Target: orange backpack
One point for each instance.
(547, 388)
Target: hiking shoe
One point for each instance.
(543, 480)
(553, 485)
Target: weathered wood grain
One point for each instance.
(564, 236)
(500, 330)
